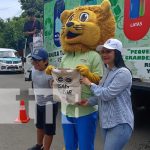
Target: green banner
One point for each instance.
(136, 52)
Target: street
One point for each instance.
(22, 136)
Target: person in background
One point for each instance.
(113, 97)
(46, 108)
(31, 27)
(21, 46)
(20, 49)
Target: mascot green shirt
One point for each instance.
(93, 61)
(83, 29)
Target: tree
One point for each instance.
(11, 30)
(36, 5)
(2, 25)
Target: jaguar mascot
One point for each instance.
(83, 29)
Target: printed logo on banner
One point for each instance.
(66, 86)
(64, 80)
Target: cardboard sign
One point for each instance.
(37, 41)
(66, 86)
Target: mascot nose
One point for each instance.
(69, 24)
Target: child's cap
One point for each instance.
(40, 54)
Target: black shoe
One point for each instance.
(36, 147)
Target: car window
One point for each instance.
(7, 54)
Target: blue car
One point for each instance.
(9, 61)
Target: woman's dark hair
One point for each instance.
(119, 62)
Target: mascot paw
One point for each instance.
(83, 69)
(49, 69)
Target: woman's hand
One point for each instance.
(85, 81)
(83, 102)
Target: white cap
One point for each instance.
(111, 44)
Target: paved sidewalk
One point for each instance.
(20, 137)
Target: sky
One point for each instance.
(9, 9)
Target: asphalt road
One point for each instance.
(21, 136)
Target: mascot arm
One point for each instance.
(49, 69)
(93, 77)
(84, 71)
(97, 67)
(95, 73)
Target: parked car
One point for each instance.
(9, 61)
(27, 67)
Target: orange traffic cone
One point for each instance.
(22, 118)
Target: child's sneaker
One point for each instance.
(36, 147)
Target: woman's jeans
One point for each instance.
(117, 137)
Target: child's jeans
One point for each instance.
(117, 137)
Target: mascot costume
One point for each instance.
(83, 29)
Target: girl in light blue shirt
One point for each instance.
(113, 97)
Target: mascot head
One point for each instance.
(85, 27)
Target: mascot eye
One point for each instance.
(84, 17)
(70, 18)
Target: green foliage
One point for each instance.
(1, 33)
(11, 30)
(14, 30)
(35, 5)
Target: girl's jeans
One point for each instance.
(117, 137)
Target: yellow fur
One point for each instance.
(99, 27)
(84, 71)
(49, 69)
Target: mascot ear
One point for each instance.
(105, 6)
(102, 9)
(65, 15)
